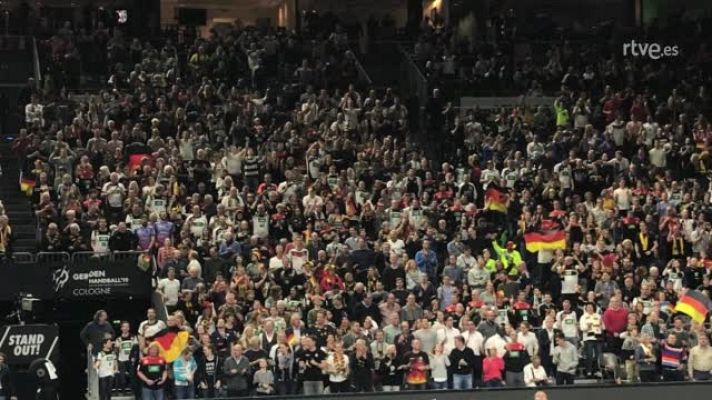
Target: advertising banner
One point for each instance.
(23, 344)
(101, 280)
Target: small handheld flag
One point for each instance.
(695, 304)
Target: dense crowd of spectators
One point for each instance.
(305, 241)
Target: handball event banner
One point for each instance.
(75, 281)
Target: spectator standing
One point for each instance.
(535, 374)
(338, 367)
(417, 364)
(169, 287)
(515, 358)
(462, 362)
(646, 359)
(96, 331)
(439, 364)
(565, 357)
(672, 355)
(591, 326)
(126, 344)
(263, 379)
(311, 362)
(427, 261)
(699, 362)
(236, 369)
(362, 367)
(153, 373)
(184, 368)
(107, 367)
(615, 320)
(492, 369)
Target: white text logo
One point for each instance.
(654, 51)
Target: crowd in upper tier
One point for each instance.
(309, 239)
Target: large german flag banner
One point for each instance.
(496, 199)
(172, 342)
(536, 241)
(695, 304)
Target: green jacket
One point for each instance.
(510, 259)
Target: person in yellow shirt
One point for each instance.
(510, 257)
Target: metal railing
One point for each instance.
(76, 257)
(415, 82)
(36, 64)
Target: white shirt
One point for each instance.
(275, 263)
(591, 325)
(337, 376)
(623, 198)
(475, 341)
(567, 323)
(530, 342)
(499, 343)
(106, 366)
(532, 375)
(658, 157)
(448, 336)
(170, 289)
(148, 330)
(298, 258)
(32, 112)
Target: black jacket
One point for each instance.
(457, 355)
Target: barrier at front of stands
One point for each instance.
(652, 391)
(79, 276)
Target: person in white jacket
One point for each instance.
(535, 374)
(528, 339)
(591, 326)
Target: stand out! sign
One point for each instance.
(23, 344)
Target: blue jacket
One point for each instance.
(427, 263)
(181, 368)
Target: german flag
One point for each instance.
(172, 342)
(292, 339)
(27, 185)
(695, 304)
(496, 199)
(536, 241)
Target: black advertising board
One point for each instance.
(101, 280)
(22, 344)
(34, 279)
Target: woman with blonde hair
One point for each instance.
(338, 369)
(439, 364)
(247, 334)
(412, 274)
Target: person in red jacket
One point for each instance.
(615, 321)
(492, 367)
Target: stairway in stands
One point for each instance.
(18, 207)
(383, 64)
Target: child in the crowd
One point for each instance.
(106, 365)
(264, 379)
